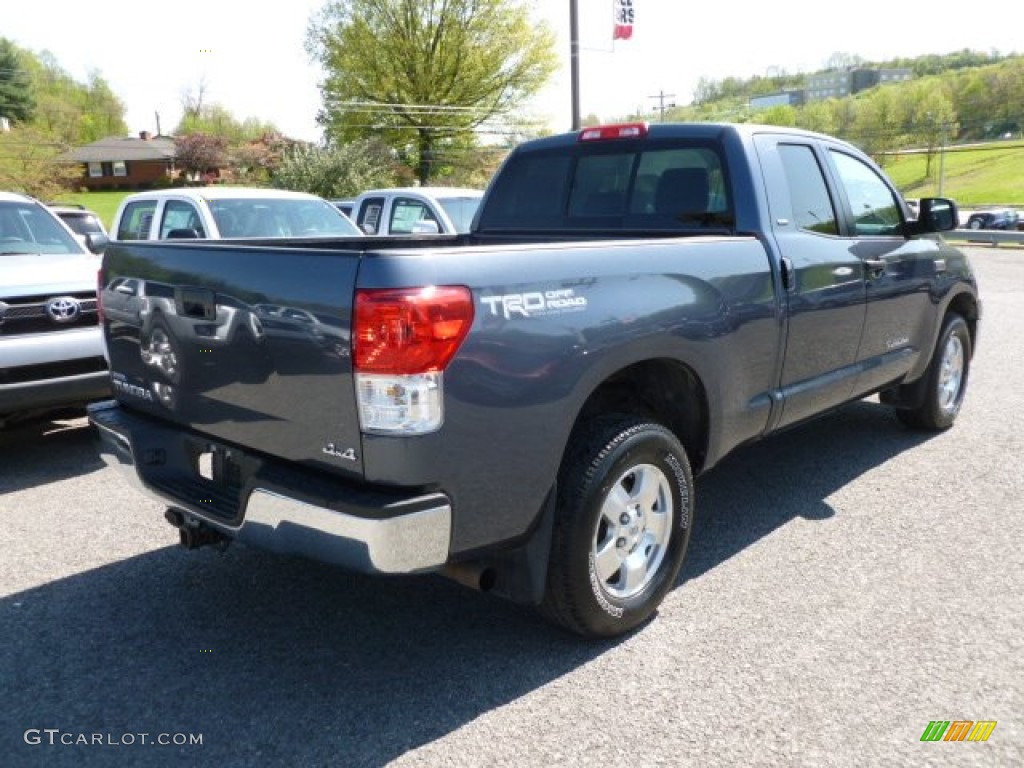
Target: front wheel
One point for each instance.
(622, 526)
(945, 379)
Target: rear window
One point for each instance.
(634, 185)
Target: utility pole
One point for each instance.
(942, 159)
(574, 63)
(662, 106)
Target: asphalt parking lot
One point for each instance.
(848, 582)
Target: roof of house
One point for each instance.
(114, 148)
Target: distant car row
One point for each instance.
(1002, 218)
(238, 212)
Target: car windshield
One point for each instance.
(29, 228)
(267, 217)
(460, 210)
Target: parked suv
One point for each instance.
(80, 219)
(51, 349)
(1003, 218)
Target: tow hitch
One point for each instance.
(194, 533)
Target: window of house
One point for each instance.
(95, 170)
(120, 168)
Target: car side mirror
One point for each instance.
(936, 214)
(97, 242)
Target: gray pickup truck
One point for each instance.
(524, 407)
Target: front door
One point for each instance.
(825, 280)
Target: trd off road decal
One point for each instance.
(534, 303)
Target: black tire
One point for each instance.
(945, 379)
(646, 535)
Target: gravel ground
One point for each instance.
(848, 582)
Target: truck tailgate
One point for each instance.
(250, 345)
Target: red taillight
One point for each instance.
(410, 330)
(617, 131)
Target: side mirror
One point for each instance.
(97, 242)
(937, 214)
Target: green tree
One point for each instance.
(17, 102)
(72, 112)
(339, 171)
(198, 153)
(422, 75)
(30, 163)
(216, 120)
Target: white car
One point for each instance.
(51, 348)
(228, 212)
(416, 210)
(81, 221)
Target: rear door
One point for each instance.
(825, 278)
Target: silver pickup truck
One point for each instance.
(51, 348)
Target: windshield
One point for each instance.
(264, 217)
(29, 228)
(460, 210)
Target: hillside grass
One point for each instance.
(104, 204)
(975, 176)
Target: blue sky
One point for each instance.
(254, 61)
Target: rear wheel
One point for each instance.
(622, 526)
(946, 378)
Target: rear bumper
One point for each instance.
(275, 506)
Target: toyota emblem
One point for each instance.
(63, 309)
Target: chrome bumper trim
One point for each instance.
(394, 542)
(415, 541)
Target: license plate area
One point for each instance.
(216, 464)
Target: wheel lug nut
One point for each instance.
(620, 543)
(624, 518)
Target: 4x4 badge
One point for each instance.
(63, 309)
(333, 450)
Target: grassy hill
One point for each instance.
(974, 175)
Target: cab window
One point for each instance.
(876, 211)
(135, 220)
(179, 214)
